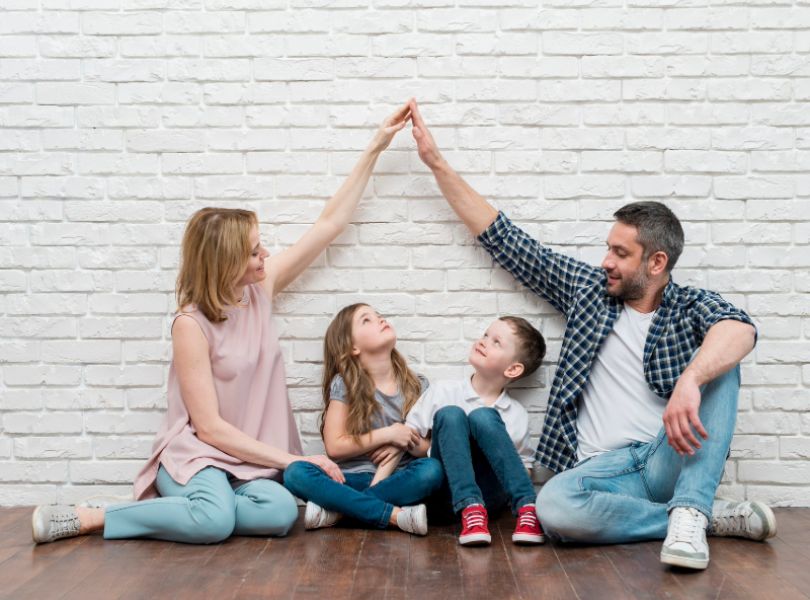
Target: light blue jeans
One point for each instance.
(625, 495)
(208, 509)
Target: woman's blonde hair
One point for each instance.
(339, 360)
(214, 255)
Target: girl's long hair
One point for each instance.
(339, 360)
(215, 252)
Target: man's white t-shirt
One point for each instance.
(617, 406)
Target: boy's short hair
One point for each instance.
(531, 347)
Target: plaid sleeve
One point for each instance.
(711, 308)
(552, 275)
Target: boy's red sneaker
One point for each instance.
(474, 530)
(527, 528)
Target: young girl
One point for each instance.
(367, 391)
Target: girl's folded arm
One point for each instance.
(340, 444)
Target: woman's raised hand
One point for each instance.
(402, 436)
(328, 467)
(390, 126)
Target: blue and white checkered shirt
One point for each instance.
(578, 290)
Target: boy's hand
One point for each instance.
(383, 454)
(402, 436)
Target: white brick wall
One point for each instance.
(121, 117)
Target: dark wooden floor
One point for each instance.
(350, 563)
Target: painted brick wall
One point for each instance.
(121, 117)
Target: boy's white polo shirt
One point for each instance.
(460, 392)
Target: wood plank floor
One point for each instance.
(352, 563)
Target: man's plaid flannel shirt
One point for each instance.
(578, 290)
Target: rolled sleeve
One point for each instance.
(553, 276)
(712, 308)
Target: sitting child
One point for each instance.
(481, 434)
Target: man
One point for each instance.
(637, 349)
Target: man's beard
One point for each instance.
(632, 288)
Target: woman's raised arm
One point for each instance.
(290, 263)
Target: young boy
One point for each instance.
(481, 434)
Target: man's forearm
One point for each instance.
(469, 205)
(726, 344)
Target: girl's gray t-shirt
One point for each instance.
(390, 412)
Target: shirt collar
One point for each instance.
(470, 395)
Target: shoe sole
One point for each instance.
(682, 561)
(475, 539)
(767, 515)
(34, 526)
(527, 538)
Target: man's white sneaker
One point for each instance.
(685, 545)
(750, 519)
(316, 517)
(413, 519)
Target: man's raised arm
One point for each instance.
(476, 213)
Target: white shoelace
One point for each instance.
(731, 522)
(64, 524)
(474, 519)
(527, 519)
(686, 527)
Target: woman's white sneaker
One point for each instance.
(54, 522)
(686, 545)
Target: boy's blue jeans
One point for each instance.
(479, 459)
(625, 495)
(355, 499)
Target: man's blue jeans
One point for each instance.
(625, 495)
(355, 499)
(479, 459)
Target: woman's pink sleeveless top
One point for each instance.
(249, 378)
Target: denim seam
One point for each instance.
(688, 503)
(386, 516)
(469, 501)
(606, 476)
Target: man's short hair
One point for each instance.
(659, 230)
(531, 347)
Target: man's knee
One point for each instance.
(557, 508)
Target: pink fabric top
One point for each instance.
(250, 383)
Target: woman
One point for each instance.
(228, 432)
